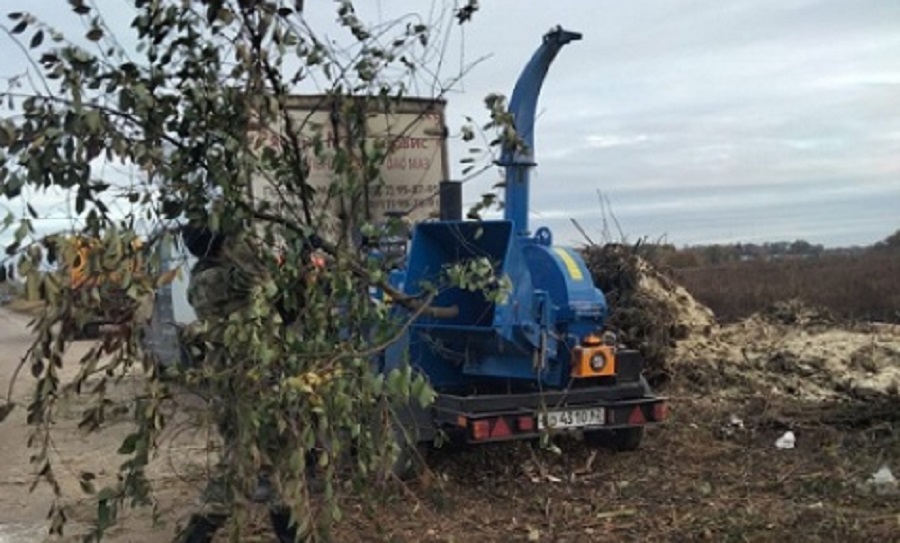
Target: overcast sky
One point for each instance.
(700, 120)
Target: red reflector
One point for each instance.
(481, 429)
(501, 429)
(660, 411)
(637, 417)
(526, 424)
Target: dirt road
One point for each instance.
(23, 513)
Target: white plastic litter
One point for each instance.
(787, 441)
(737, 422)
(883, 477)
(882, 483)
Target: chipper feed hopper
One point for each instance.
(534, 355)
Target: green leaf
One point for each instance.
(106, 494)
(22, 231)
(37, 39)
(93, 120)
(225, 15)
(103, 513)
(426, 395)
(7, 135)
(129, 445)
(6, 409)
(94, 34)
(79, 7)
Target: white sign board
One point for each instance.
(413, 131)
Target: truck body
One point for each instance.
(410, 130)
(408, 183)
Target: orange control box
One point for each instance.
(586, 361)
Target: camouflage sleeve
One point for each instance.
(221, 286)
(208, 292)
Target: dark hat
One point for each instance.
(202, 241)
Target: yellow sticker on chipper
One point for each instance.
(571, 265)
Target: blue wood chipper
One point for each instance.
(538, 358)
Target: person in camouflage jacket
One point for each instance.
(220, 284)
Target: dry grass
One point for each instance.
(696, 479)
(864, 287)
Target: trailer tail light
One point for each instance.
(526, 424)
(499, 428)
(481, 429)
(660, 412)
(637, 418)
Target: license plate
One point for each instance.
(572, 418)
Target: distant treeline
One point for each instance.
(669, 256)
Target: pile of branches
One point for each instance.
(640, 320)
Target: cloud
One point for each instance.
(699, 119)
(600, 141)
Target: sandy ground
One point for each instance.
(23, 513)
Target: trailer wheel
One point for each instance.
(620, 439)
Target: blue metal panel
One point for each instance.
(553, 297)
(481, 328)
(564, 275)
(522, 106)
(579, 308)
(438, 245)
